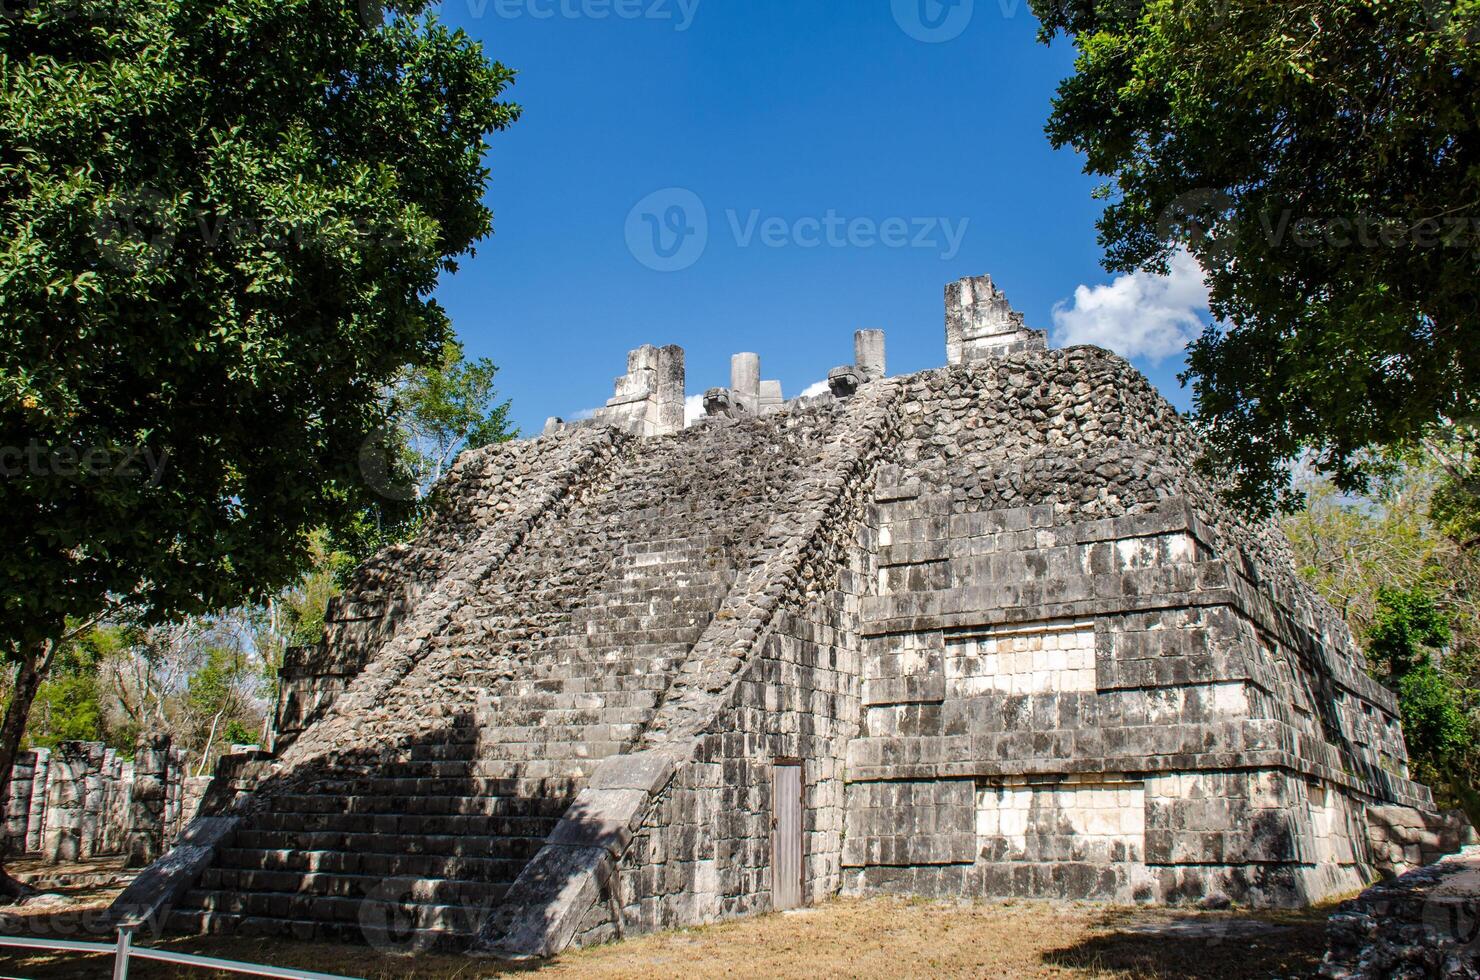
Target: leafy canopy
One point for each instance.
(1408, 624)
(1321, 159)
(220, 227)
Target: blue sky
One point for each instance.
(912, 130)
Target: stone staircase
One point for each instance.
(560, 661)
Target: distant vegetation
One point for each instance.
(1402, 564)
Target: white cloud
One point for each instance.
(693, 409)
(814, 389)
(1137, 315)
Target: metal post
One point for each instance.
(120, 954)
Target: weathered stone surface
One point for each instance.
(1016, 644)
(149, 898)
(1424, 924)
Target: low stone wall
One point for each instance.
(1424, 924)
(1404, 838)
(82, 800)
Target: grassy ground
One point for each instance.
(876, 938)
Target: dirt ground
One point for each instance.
(875, 938)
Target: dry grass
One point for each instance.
(876, 938)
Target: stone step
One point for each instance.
(649, 579)
(547, 786)
(350, 911)
(579, 700)
(696, 556)
(452, 845)
(301, 861)
(629, 668)
(668, 543)
(420, 890)
(663, 589)
(488, 767)
(200, 922)
(636, 626)
(477, 825)
(600, 685)
(514, 714)
(552, 751)
(486, 806)
(496, 735)
(627, 625)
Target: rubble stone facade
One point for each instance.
(1015, 643)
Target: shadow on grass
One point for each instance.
(1201, 947)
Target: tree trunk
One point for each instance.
(28, 678)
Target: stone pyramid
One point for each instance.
(976, 631)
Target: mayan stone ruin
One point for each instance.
(82, 800)
(978, 631)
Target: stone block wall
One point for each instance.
(82, 800)
(1148, 705)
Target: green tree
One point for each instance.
(222, 224)
(1435, 725)
(69, 705)
(1408, 632)
(1321, 159)
(1408, 625)
(446, 407)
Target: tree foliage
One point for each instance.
(222, 224)
(1410, 590)
(1435, 725)
(1321, 159)
(1407, 626)
(446, 407)
(220, 228)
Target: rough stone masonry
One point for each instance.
(976, 631)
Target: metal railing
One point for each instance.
(125, 950)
